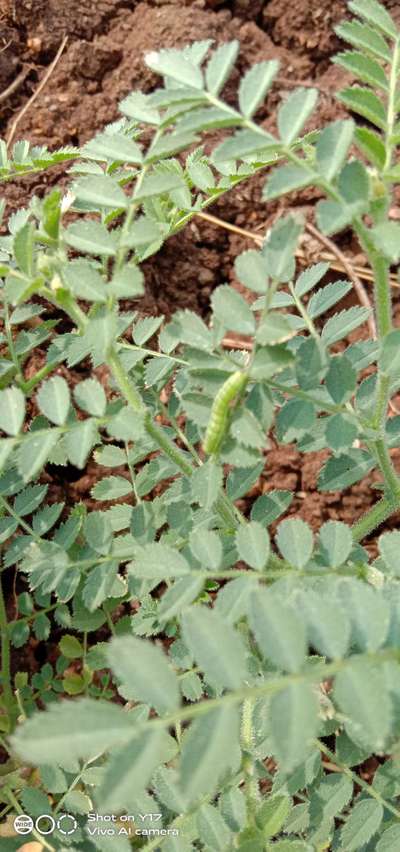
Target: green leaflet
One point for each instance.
(371, 145)
(294, 113)
(389, 549)
(280, 246)
(362, 825)
(91, 237)
(12, 410)
(330, 797)
(340, 379)
(332, 147)
(91, 397)
(340, 325)
(364, 103)
(217, 648)
(206, 546)
(279, 633)
(344, 470)
(336, 543)
(207, 751)
(389, 839)
(58, 734)
(286, 179)
(361, 694)
(273, 814)
(232, 311)
(310, 277)
(111, 487)
(54, 400)
(294, 724)
(84, 281)
(205, 483)
(295, 541)
(254, 86)
(368, 613)
(220, 66)
(100, 192)
(375, 14)
(327, 624)
(252, 271)
(172, 64)
(269, 506)
(213, 830)
(112, 147)
(252, 543)
(366, 69)
(130, 769)
(158, 561)
(34, 453)
(144, 672)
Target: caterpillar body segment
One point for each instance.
(218, 422)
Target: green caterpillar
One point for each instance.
(220, 410)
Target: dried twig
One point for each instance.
(361, 271)
(37, 92)
(304, 84)
(349, 269)
(6, 45)
(15, 83)
(237, 343)
(344, 265)
(229, 227)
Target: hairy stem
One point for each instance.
(247, 744)
(380, 269)
(227, 511)
(391, 478)
(357, 779)
(376, 516)
(272, 686)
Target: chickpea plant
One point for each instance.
(252, 665)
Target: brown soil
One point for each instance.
(102, 62)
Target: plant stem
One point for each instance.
(132, 396)
(391, 478)
(303, 313)
(128, 389)
(380, 269)
(356, 778)
(300, 394)
(376, 516)
(382, 294)
(164, 442)
(247, 744)
(381, 401)
(7, 692)
(134, 399)
(41, 374)
(272, 686)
